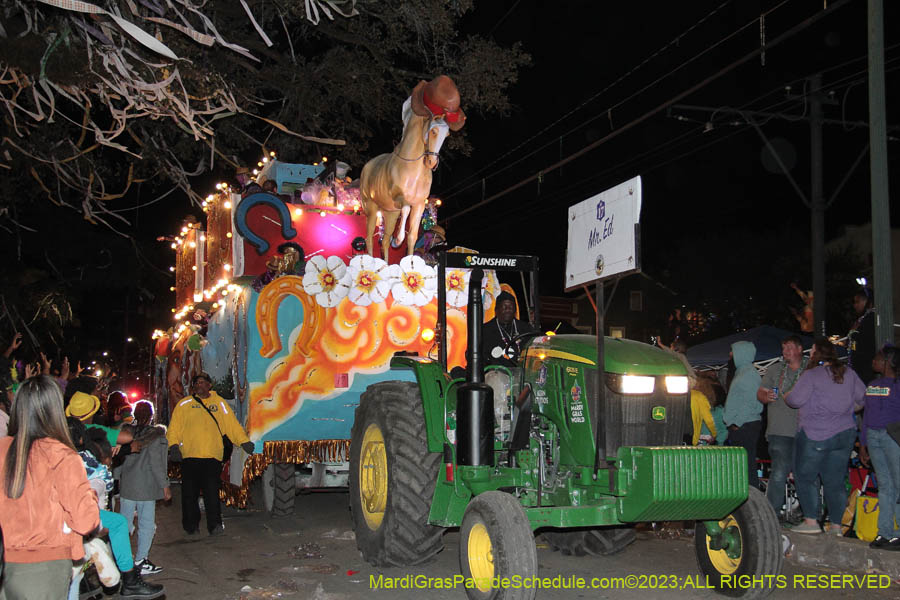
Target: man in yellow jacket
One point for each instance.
(195, 434)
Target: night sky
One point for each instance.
(702, 183)
(716, 213)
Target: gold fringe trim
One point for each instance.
(286, 451)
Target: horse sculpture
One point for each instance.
(397, 184)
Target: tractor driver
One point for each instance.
(498, 336)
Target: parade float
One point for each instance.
(279, 301)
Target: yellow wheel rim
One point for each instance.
(481, 557)
(720, 559)
(373, 477)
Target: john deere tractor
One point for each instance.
(552, 446)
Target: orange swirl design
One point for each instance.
(347, 339)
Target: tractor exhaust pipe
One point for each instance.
(475, 399)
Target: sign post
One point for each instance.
(604, 243)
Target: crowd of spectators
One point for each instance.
(818, 410)
(58, 453)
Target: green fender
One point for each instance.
(434, 385)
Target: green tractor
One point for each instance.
(550, 446)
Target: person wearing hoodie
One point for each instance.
(743, 413)
(144, 479)
(827, 395)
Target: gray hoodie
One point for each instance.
(741, 405)
(143, 475)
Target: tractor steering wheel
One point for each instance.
(511, 349)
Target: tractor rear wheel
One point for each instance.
(750, 544)
(496, 542)
(596, 541)
(392, 477)
(285, 489)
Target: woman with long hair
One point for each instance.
(827, 394)
(46, 505)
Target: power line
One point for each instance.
(613, 134)
(525, 210)
(460, 187)
(658, 52)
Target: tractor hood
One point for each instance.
(621, 356)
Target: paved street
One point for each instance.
(313, 555)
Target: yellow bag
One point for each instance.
(866, 518)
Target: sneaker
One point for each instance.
(192, 535)
(219, 530)
(879, 542)
(893, 545)
(147, 567)
(807, 528)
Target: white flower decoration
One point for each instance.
(370, 280)
(458, 287)
(416, 282)
(327, 280)
(490, 288)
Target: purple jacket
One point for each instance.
(882, 405)
(826, 407)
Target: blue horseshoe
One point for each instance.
(240, 219)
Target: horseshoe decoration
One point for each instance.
(267, 315)
(240, 219)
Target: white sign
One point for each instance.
(602, 235)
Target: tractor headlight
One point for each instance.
(636, 384)
(676, 384)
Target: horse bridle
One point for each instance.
(425, 152)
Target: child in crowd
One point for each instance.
(144, 480)
(96, 455)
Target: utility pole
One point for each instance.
(881, 212)
(817, 203)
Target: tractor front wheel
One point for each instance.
(748, 543)
(392, 477)
(596, 541)
(496, 543)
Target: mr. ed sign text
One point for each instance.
(603, 235)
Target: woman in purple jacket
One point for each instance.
(882, 409)
(827, 394)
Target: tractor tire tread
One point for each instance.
(763, 552)
(407, 539)
(595, 541)
(514, 552)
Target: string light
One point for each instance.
(227, 204)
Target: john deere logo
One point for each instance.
(658, 413)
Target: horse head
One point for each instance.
(434, 131)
